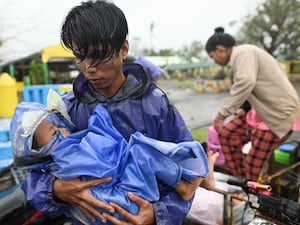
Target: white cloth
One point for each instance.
(32, 119)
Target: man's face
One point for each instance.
(105, 76)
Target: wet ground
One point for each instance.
(197, 109)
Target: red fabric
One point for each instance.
(234, 135)
(33, 217)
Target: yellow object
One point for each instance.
(8, 95)
(19, 85)
(65, 89)
(55, 51)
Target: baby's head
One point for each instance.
(36, 130)
(45, 132)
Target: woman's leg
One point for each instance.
(232, 137)
(264, 143)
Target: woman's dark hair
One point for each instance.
(219, 38)
(98, 28)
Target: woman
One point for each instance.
(259, 79)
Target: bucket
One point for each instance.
(213, 136)
(213, 144)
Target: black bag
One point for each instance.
(282, 209)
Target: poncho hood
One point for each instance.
(26, 118)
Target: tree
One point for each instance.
(36, 72)
(274, 27)
(166, 52)
(194, 50)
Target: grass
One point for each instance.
(200, 134)
(186, 83)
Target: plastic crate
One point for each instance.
(4, 135)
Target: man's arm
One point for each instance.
(145, 215)
(49, 195)
(165, 212)
(37, 187)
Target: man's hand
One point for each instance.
(77, 192)
(144, 217)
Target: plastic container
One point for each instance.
(8, 95)
(4, 135)
(5, 150)
(285, 153)
(36, 93)
(39, 93)
(282, 157)
(213, 144)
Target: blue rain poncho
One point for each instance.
(137, 166)
(151, 69)
(138, 106)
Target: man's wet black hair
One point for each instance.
(98, 29)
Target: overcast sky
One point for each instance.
(35, 24)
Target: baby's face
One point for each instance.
(45, 132)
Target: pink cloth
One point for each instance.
(253, 120)
(296, 126)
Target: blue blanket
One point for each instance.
(136, 166)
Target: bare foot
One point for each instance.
(209, 181)
(212, 157)
(187, 189)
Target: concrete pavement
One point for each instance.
(197, 109)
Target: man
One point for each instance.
(96, 33)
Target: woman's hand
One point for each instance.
(218, 122)
(240, 112)
(144, 217)
(77, 192)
